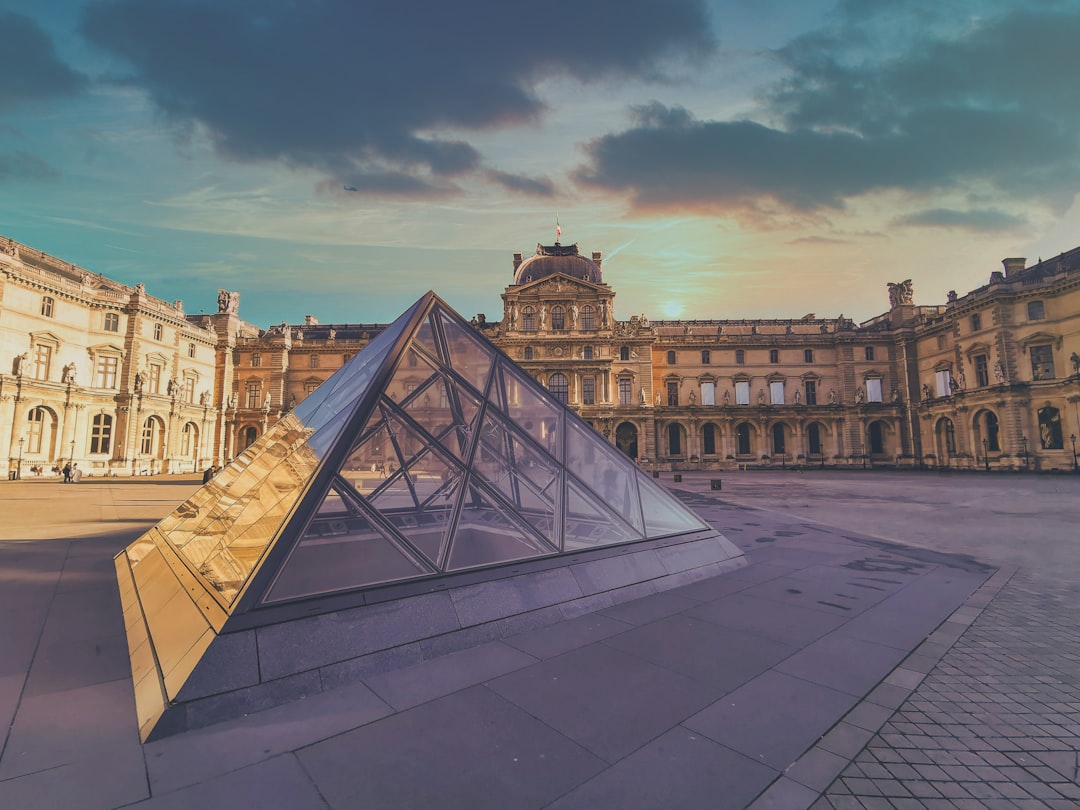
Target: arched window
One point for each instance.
(742, 434)
(559, 387)
(558, 319)
(528, 353)
(189, 440)
(101, 433)
(247, 437)
(991, 431)
(588, 319)
(877, 438)
(813, 437)
(153, 435)
(36, 420)
(528, 319)
(624, 353)
(674, 440)
(779, 446)
(1050, 434)
(708, 439)
(947, 431)
(626, 439)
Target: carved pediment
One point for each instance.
(977, 348)
(1040, 338)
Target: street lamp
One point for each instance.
(18, 471)
(1023, 449)
(986, 453)
(71, 456)
(1072, 438)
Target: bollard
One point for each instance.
(715, 484)
(678, 478)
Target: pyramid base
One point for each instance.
(244, 670)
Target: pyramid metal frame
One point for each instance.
(242, 549)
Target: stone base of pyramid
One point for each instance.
(244, 670)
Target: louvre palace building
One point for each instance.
(104, 374)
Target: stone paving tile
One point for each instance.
(995, 724)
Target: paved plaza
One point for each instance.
(897, 640)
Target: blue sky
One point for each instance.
(730, 158)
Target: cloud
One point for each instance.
(991, 101)
(534, 186)
(356, 88)
(986, 219)
(32, 70)
(21, 165)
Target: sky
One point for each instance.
(730, 158)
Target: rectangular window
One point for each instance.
(982, 370)
(810, 386)
(310, 387)
(256, 360)
(155, 379)
(869, 352)
(106, 372)
(671, 358)
(313, 360)
(253, 395)
(774, 356)
(708, 393)
(47, 306)
(101, 433)
(191, 350)
(1042, 362)
(944, 383)
(158, 331)
(742, 392)
(740, 357)
(588, 390)
(1036, 310)
(672, 393)
(808, 355)
(941, 341)
(873, 390)
(42, 361)
(976, 322)
(625, 396)
(112, 322)
(776, 393)
(705, 357)
(189, 390)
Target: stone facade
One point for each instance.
(987, 380)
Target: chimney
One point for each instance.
(597, 257)
(517, 261)
(1013, 266)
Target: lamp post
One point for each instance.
(1023, 449)
(18, 470)
(986, 453)
(1072, 438)
(71, 455)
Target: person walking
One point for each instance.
(76, 473)
(67, 473)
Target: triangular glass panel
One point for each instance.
(341, 548)
(664, 514)
(604, 470)
(425, 337)
(346, 387)
(487, 534)
(367, 466)
(530, 409)
(470, 356)
(588, 524)
(447, 412)
(412, 373)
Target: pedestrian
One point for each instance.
(208, 473)
(67, 473)
(76, 473)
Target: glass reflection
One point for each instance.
(663, 513)
(530, 410)
(602, 469)
(486, 534)
(470, 356)
(589, 525)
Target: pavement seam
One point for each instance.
(903, 678)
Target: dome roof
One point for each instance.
(552, 259)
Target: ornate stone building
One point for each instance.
(126, 383)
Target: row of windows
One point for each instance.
(740, 356)
(41, 435)
(744, 439)
(532, 317)
(313, 360)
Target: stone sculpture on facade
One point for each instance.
(900, 293)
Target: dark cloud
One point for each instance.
(32, 70)
(336, 84)
(994, 102)
(21, 165)
(534, 186)
(986, 219)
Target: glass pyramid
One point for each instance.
(429, 452)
